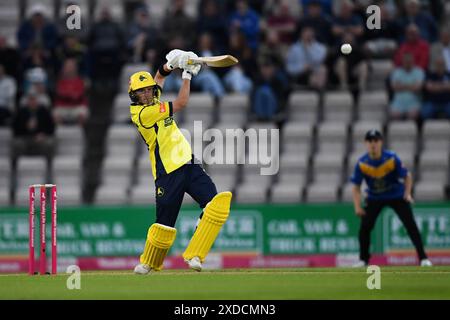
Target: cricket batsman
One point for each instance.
(174, 167)
(389, 184)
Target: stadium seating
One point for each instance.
(320, 141)
(332, 137)
(372, 106)
(233, 109)
(68, 174)
(30, 170)
(380, 70)
(322, 192)
(4, 180)
(117, 167)
(328, 167)
(297, 137)
(304, 106)
(436, 135)
(121, 108)
(5, 139)
(284, 192)
(201, 108)
(70, 140)
(9, 19)
(428, 191)
(338, 107)
(433, 167)
(402, 136)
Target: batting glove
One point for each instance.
(184, 59)
(193, 68)
(173, 58)
(186, 75)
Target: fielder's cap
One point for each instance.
(373, 135)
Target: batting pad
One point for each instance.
(214, 216)
(159, 240)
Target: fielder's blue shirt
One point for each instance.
(383, 176)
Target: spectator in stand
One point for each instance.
(423, 20)
(240, 77)
(437, 90)
(271, 48)
(177, 23)
(225, 7)
(407, 82)
(37, 58)
(269, 6)
(270, 93)
(9, 58)
(173, 81)
(326, 5)
(33, 130)
(239, 48)
(70, 98)
(237, 81)
(347, 23)
(207, 80)
(352, 69)
(206, 46)
(72, 48)
(418, 47)
(213, 21)
(36, 81)
(105, 43)
(360, 6)
(437, 10)
(7, 96)
(256, 5)
(283, 22)
(142, 36)
(37, 32)
(305, 61)
(246, 20)
(318, 20)
(441, 49)
(382, 43)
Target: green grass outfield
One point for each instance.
(253, 284)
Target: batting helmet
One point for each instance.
(139, 80)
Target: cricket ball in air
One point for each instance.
(346, 48)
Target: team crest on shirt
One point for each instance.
(162, 107)
(379, 186)
(160, 192)
(168, 121)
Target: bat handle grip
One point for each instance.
(194, 61)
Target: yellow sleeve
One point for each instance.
(149, 115)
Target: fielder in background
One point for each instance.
(174, 167)
(383, 173)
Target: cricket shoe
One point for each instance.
(425, 263)
(360, 264)
(195, 264)
(142, 269)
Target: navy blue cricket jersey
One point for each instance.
(383, 176)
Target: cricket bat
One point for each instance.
(215, 61)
